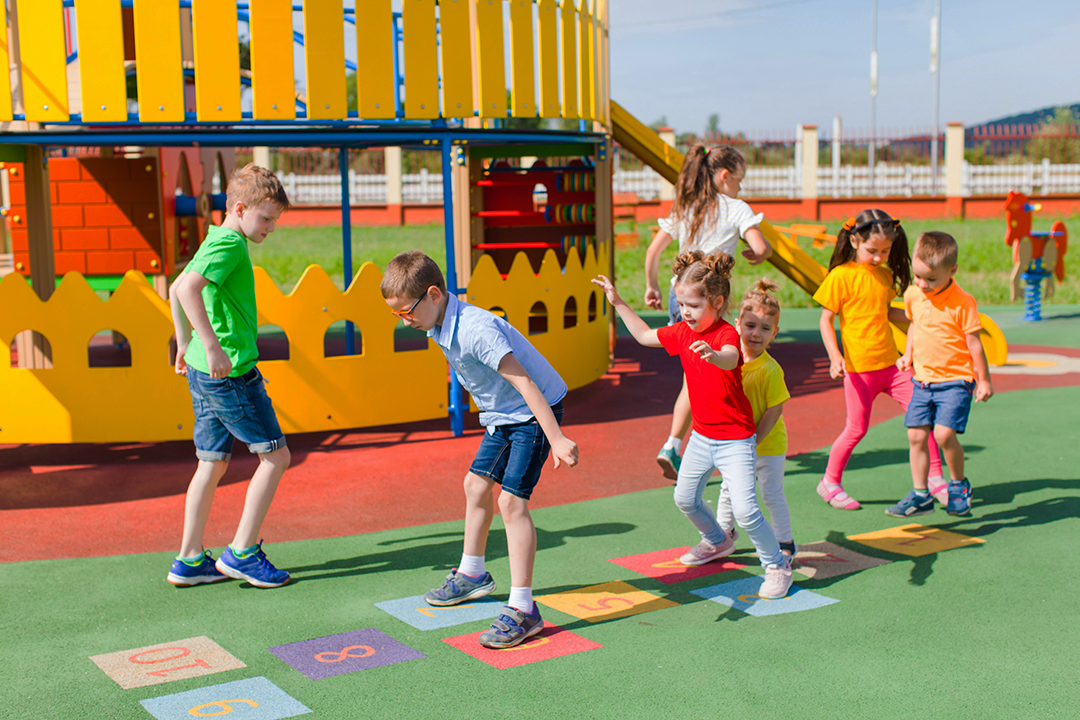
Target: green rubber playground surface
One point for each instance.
(982, 630)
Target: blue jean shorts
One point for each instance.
(232, 407)
(514, 455)
(674, 314)
(943, 403)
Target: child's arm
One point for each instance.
(637, 327)
(898, 316)
(180, 325)
(904, 363)
(726, 359)
(760, 249)
(563, 449)
(837, 367)
(983, 389)
(189, 294)
(768, 421)
(653, 296)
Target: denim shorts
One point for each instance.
(674, 314)
(943, 403)
(514, 455)
(232, 407)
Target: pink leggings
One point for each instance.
(860, 389)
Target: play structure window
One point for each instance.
(335, 340)
(570, 313)
(22, 348)
(592, 306)
(273, 343)
(407, 339)
(498, 311)
(538, 319)
(108, 348)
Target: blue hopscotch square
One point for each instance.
(251, 699)
(414, 611)
(742, 595)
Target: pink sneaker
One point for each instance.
(705, 552)
(777, 581)
(835, 496)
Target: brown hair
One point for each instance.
(711, 274)
(937, 250)
(409, 275)
(696, 194)
(759, 298)
(253, 185)
(866, 224)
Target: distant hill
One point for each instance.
(1034, 117)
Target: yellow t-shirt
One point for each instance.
(763, 383)
(860, 295)
(941, 323)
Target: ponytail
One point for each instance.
(696, 200)
(760, 297)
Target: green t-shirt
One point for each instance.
(229, 298)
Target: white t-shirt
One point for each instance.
(733, 219)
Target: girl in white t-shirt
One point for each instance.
(705, 216)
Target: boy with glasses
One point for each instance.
(520, 399)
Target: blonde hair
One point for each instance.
(709, 274)
(759, 298)
(409, 275)
(252, 185)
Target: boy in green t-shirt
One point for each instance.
(215, 297)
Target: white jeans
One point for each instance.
(770, 475)
(735, 459)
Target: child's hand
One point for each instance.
(753, 257)
(218, 362)
(837, 368)
(608, 287)
(984, 391)
(904, 363)
(181, 364)
(653, 298)
(564, 450)
(706, 351)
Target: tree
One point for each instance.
(713, 127)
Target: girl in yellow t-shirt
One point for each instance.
(763, 383)
(870, 267)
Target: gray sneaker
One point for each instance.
(458, 588)
(512, 627)
(705, 551)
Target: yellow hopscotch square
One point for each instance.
(605, 602)
(915, 540)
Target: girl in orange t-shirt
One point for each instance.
(870, 267)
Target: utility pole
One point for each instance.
(873, 93)
(935, 64)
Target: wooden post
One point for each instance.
(39, 233)
(667, 190)
(463, 229)
(809, 170)
(605, 226)
(954, 169)
(394, 194)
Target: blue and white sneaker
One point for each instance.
(184, 575)
(253, 567)
(512, 627)
(959, 497)
(912, 505)
(458, 588)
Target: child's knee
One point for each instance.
(918, 435)
(945, 436)
(685, 501)
(280, 458)
(477, 485)
(512, 507)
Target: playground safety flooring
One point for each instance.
(937, 616)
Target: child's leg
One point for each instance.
(770, 477)
(680, 417)
(919, 455)
(859, 392)
(696, 469)
(200, 495)
(724, 514)
(736, 461)
(951, 449)
(520, 539)
(479, 511)
(260, 494)
(900, 389)
(668, 458)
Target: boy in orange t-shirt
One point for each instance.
(950, 368)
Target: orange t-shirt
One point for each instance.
(860, 295)
(941, 323)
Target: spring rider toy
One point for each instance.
(1038, 257)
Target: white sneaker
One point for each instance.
(777, 581)
(705, 552)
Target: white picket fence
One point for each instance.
(422, 187)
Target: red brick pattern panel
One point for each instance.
(105, 214)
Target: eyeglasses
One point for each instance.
(408, 314)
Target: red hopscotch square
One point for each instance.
(664, 565)
(551, 642)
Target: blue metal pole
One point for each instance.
(457, 404)
(346, 240)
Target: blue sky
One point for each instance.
(772, 64)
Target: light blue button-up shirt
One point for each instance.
(475, 341)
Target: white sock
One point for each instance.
(673, 442)
(521, 598)
(472, 565)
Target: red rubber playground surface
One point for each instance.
(68, 501)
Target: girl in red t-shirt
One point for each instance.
(723, 436)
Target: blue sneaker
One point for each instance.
(183, 575)
(668, 459)
(254, 568)
(460, 587)
(512, 627)
(912, 505)
(959, 497)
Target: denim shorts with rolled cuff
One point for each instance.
(943, 403)
(514, 455)
(232, 407)
(674, 313)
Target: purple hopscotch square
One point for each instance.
(345, 653)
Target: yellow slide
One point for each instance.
(787, 256)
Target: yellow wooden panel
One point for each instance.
(489, 42)
(157, 61)
(588, 60)
(549, 58)
(273, 89)
(5, 78)
(569, 60)
(421, 60)
(522, 83)
(217, 60)
(604, 93)
(44, 60)
(375, 56)
(456, 58)
(324, 56)
(101, 60)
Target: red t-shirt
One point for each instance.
(721, 410)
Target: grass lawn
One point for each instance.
(985, 261)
